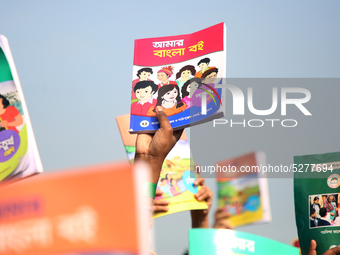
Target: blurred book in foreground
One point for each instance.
(231, 242)
(176, 179)
(19, 156)
(90, 210)
(243, 190)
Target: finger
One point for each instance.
(312, 248)
(143, 137)
(223, 215)
(163, 119)
(333, 251)
(160, 208)
(142, 142)
(200, 192)
(204, 196)
(199, 181)
(159, 192)
(161, 202)
(223, 225)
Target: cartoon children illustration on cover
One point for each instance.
(188, 89)
(173, 96)
(163, 186)
(143, 75)
(170, 188)
(164, 75)
(184, 74)
(144, 91)
(203, 64)
(210, 75)
(10, 117)
(170, 100)
(175, 189)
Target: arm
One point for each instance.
(17, 122)
(153, 148)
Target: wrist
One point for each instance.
(155, 164)
(199, 220)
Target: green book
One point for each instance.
(231, 242)
(317, 199)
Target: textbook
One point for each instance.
(181, 74)
(317, 200)
(243, 191)
(19, 157)
(89, 210)
(231, 242)
(177, 176)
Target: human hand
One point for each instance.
(312, 249)
(160, 205)
(204, 194)
(153, 148)
(200, 217)
(221, 219)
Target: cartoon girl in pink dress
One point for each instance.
(188, 89)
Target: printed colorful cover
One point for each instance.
(19, 155)
(79, 211)
(231, 242)
(317, 200)
(176, 179)
(180, 74)
(242, 190)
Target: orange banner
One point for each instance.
(89, 209)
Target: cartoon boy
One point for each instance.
(203, 64)
(210, 75)
(143, 75)
(144, 91)
(163, 76)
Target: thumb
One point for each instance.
(162, 118)
(312, 248)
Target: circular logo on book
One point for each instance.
(333, 181)
(144, 123)
(199, 92)
(9, 144)
(333, 246)
(188, 178)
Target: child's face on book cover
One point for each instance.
(192, 88)
(211, 78)
(203, 66)
(144, 76)
(171, 95)
(144, 94)
(185, 74)
(161, 76)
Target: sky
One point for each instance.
(74, 60)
